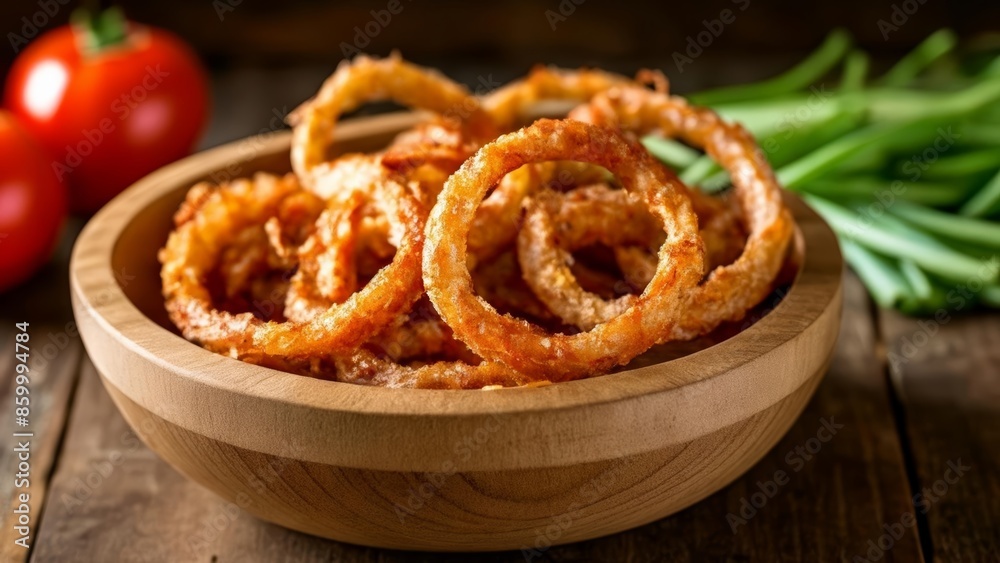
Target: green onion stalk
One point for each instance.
(904, 166)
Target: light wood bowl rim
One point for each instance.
(623, 414)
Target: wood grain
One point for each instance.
(55, 356)
(946, 371)
(111, 498)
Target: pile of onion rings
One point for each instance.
(480, 249)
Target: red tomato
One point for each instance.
(112, 115)
(32, 204)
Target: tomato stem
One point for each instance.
(108, 28)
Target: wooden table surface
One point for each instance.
(911, 474)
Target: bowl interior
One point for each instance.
(135, 251)
(134, 254)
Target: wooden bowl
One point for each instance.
(441, 470)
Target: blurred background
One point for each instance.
(249, 45)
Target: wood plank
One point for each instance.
(110, 497)
(828, 511)
(946, 372)
(55, 352)
(51, 386)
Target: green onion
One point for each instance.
(931, 49)
(886, 285)
(701, 169)
(946, 263)
(918, 280)
(976, 134)
(977, 251)
(975, 231)
(963, 165)
(886, 162)
(912, 233)
(855, 71)
(716, 182)
(674, 153)
(992, 69)
(854, 187)
(802, 75)
(787, 146)
(990, 295)
(765, 117)
(903, 105)
(828, 157)
(937, 300)
(986, 200)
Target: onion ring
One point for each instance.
(637, 265)
(498, 217)
(436, 145)
(413, 338)
(193, 249)
(729, 291)
(345, 326)
(515, 277)
(327, 271)
(509, 104)
(517, 343)
(367, 80)
(367, 368)
(208, 223)
(553, 228)
(500, 282)
(294, 223)
(558, 223)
